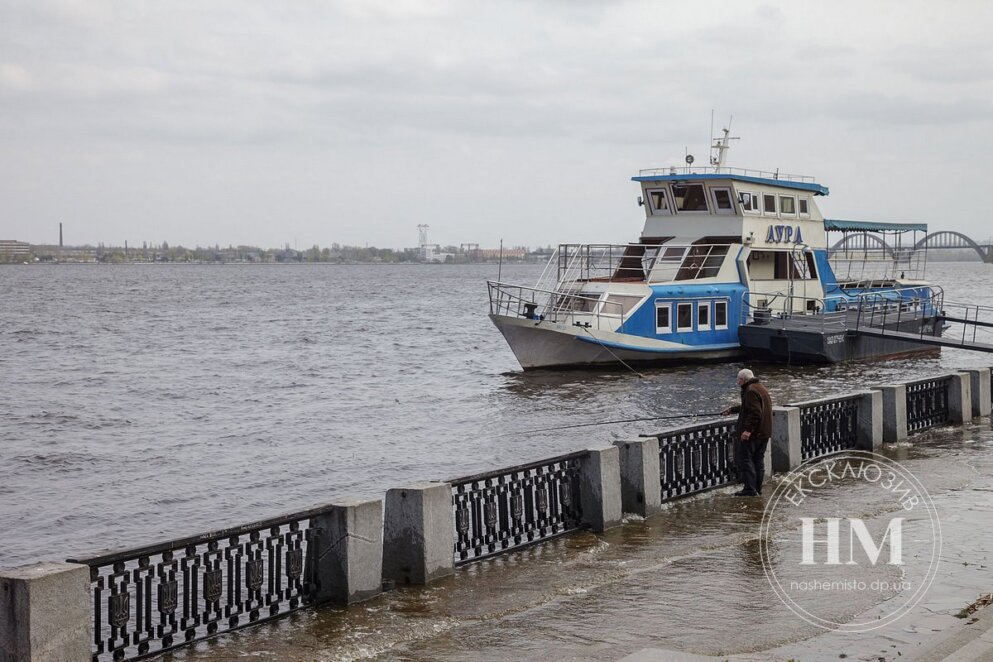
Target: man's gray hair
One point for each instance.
(746, 374)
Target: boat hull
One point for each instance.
(548, 345)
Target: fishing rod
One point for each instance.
(627, 420)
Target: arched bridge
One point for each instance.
(944, 239)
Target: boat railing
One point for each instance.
(869, 264)
(559, 306)
(725, 170)
(643, 263)
(879, 308)
(837, 313)
(781, 310)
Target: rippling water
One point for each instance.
(146, 402)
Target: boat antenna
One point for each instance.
(718, 151)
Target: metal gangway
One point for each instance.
(880, 314)
(956, 325)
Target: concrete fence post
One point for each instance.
(419, 533)
(960, 398)
(894, 412)
(979, 386)
(45, 613)
(870, 423)
(600, 488)
(641, 484)
(348, 556)
(787, 452)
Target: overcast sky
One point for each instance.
(354, 121)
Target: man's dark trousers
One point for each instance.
(751, 464)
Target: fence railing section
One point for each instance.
(927, 403)
(696, 458)
(160, 597)
(502, 510)
(829, 425)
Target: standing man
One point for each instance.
(754, 429)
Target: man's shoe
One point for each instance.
(746, 493)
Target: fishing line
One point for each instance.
(627, 420)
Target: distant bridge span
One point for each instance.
(942, 239)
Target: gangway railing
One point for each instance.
(974, 322)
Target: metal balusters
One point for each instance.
(507, 509)
(927, 403)
(153, 599)
(696, 458)
(828, 426)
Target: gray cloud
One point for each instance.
(353, 121)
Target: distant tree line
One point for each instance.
(164, 252)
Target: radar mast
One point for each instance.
(718, 151)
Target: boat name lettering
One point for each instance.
(784, 234)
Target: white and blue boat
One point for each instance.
(730, 262)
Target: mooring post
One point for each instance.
(960, 398)
(641, 483)
(600, 488)
(419, 533)
(870, 422)
(894, 412)
(979, 386)
(787, 450)
(348, 555)
(45, 613)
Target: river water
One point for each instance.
(147, 402)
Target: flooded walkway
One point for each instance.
(688, 580)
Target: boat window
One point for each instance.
(619, 304)
(702, 262)
(658, 201)
(663, 323)
(684, 317)
(582, 303)
(787, 204)
(748, 201)
(689, 197)
(722, 201)
(803, 206)
(720, 314)
(703, 316)
(769, 204)
(794, 267)
(811, 266)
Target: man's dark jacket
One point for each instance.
(755, 412)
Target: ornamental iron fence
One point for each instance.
(927, 403)
(697, 458)
(152, 599)
(504, 510)
(829, 425)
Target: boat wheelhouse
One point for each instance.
(721, 250)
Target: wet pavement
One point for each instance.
(688, 580)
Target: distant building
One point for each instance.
(508, 253)
(11, 248)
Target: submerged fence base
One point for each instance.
(142, 601)
(417, 534)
